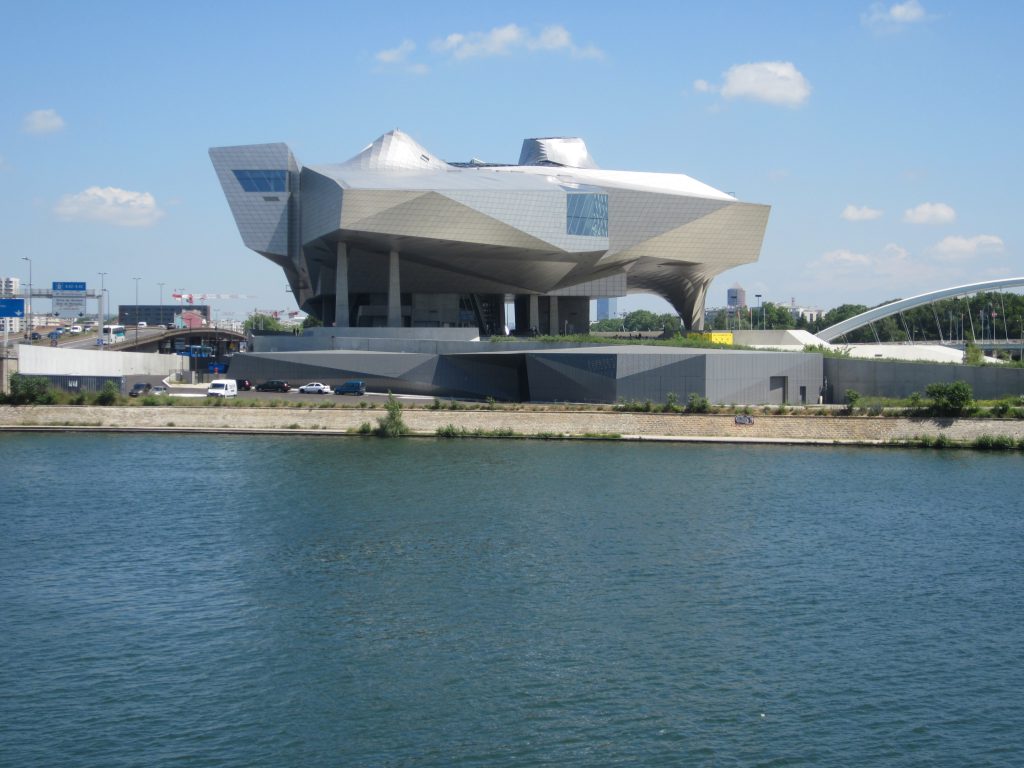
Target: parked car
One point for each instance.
(315, 388)
(36, 335)
(160, 389)
(244, 385)
(141, 388)
(351, 388)
(274, 385)
(142, 324)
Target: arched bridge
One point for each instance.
(895, 307)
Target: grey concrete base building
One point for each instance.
(533, 371)
(396, 237)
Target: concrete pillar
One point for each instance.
(534, 312)
(553, 316)
(341, 288)
(394, 293)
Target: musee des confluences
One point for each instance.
(396, 237)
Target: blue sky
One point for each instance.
(885, 136)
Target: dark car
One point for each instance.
(274, 385)
(351, 388)
(36, 335)
(244, 385)
(142, 388)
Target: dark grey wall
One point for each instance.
(885, 378)
(769, 378)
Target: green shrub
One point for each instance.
(973, 355)
(697, 403)
(30, 390)
(941, 441)
(851, 397)
(950, 399)
(109, 394)
(1001, 409)
(994, 443)
(391, 423)
(366, 428)
(450, 430)
(672, 403)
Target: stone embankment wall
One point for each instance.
(766, 428)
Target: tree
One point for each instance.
(30, 390)
(312, 322)
(261, 322)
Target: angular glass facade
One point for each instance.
(586, 215)
(262, 181)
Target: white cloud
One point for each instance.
(773, 82)
(956, 247)
(892, 263)
(896, 14)
(702, 86)
(399, 57)
(930, 213)
(41, 121)
(860, 213)
(120, 207)
(502, 41)
(845, 258)
(396, 55)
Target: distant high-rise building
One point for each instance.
(607, 308)
(736, 297)
(10, 288)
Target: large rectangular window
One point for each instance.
(586, 215)
(263, 181)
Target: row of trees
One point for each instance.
(986, 315)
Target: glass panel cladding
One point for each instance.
(586, 215)
(262, 181)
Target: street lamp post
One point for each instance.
(136, 279)
(28, 304)
(161, 303)
(758, 297)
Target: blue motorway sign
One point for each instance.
(12, 307)
(69, 286)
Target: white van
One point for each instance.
(222, 388)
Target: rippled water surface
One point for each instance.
(288, 601)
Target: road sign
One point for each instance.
(12, 307)
(68, 299)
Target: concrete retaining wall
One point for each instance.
(84, 362)
(879, 378)
(765, 428)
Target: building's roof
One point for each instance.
(397, 161)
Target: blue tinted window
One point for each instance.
(262, 181)
(586, 215)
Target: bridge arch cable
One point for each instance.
(896, 307)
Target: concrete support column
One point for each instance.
(394, 293)
(553, 316)
(534, 312)
(341, 288)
